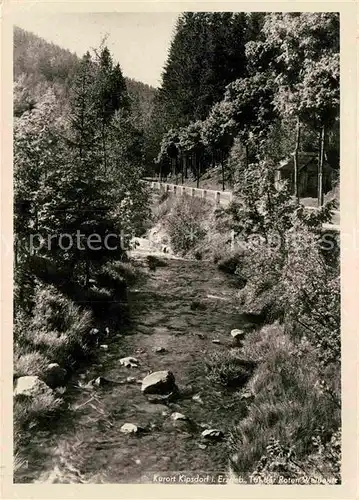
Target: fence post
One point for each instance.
(192, 192)
(218, 197)
(174, 189)
(204, 193)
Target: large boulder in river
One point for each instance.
(162, 382)
(30, 386)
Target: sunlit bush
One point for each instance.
(186, 223)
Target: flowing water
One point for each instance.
(86, 445)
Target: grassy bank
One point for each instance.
(292, 424)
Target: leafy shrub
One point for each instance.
(311, 292)
(291, 272)
(20, 328)
(228, 368)
(163, 207)
(261, 273)
(56, 331)
(233, 264)
(112, 276)
(164, 195)
(186, 226)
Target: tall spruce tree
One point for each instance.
(206, 54)
(109, 95)
(78, 197)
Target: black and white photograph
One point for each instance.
(176, 219)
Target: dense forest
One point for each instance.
(240, 92)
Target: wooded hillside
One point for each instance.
(40, 65)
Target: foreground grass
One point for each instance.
(291, 417)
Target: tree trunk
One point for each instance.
(296, 166)
(320, 167)
(185, 165)
(247, 162)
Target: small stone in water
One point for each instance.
(101, 381)
(212, 434)
(197, 398)
(130, 429)
(247, 395)
(129, 362)
(237, 334)
(160, 349)
(131, 380)
(178, 416)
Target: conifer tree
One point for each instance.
(206, 54)
(37, 152)
(78, 196)
(109, 94)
